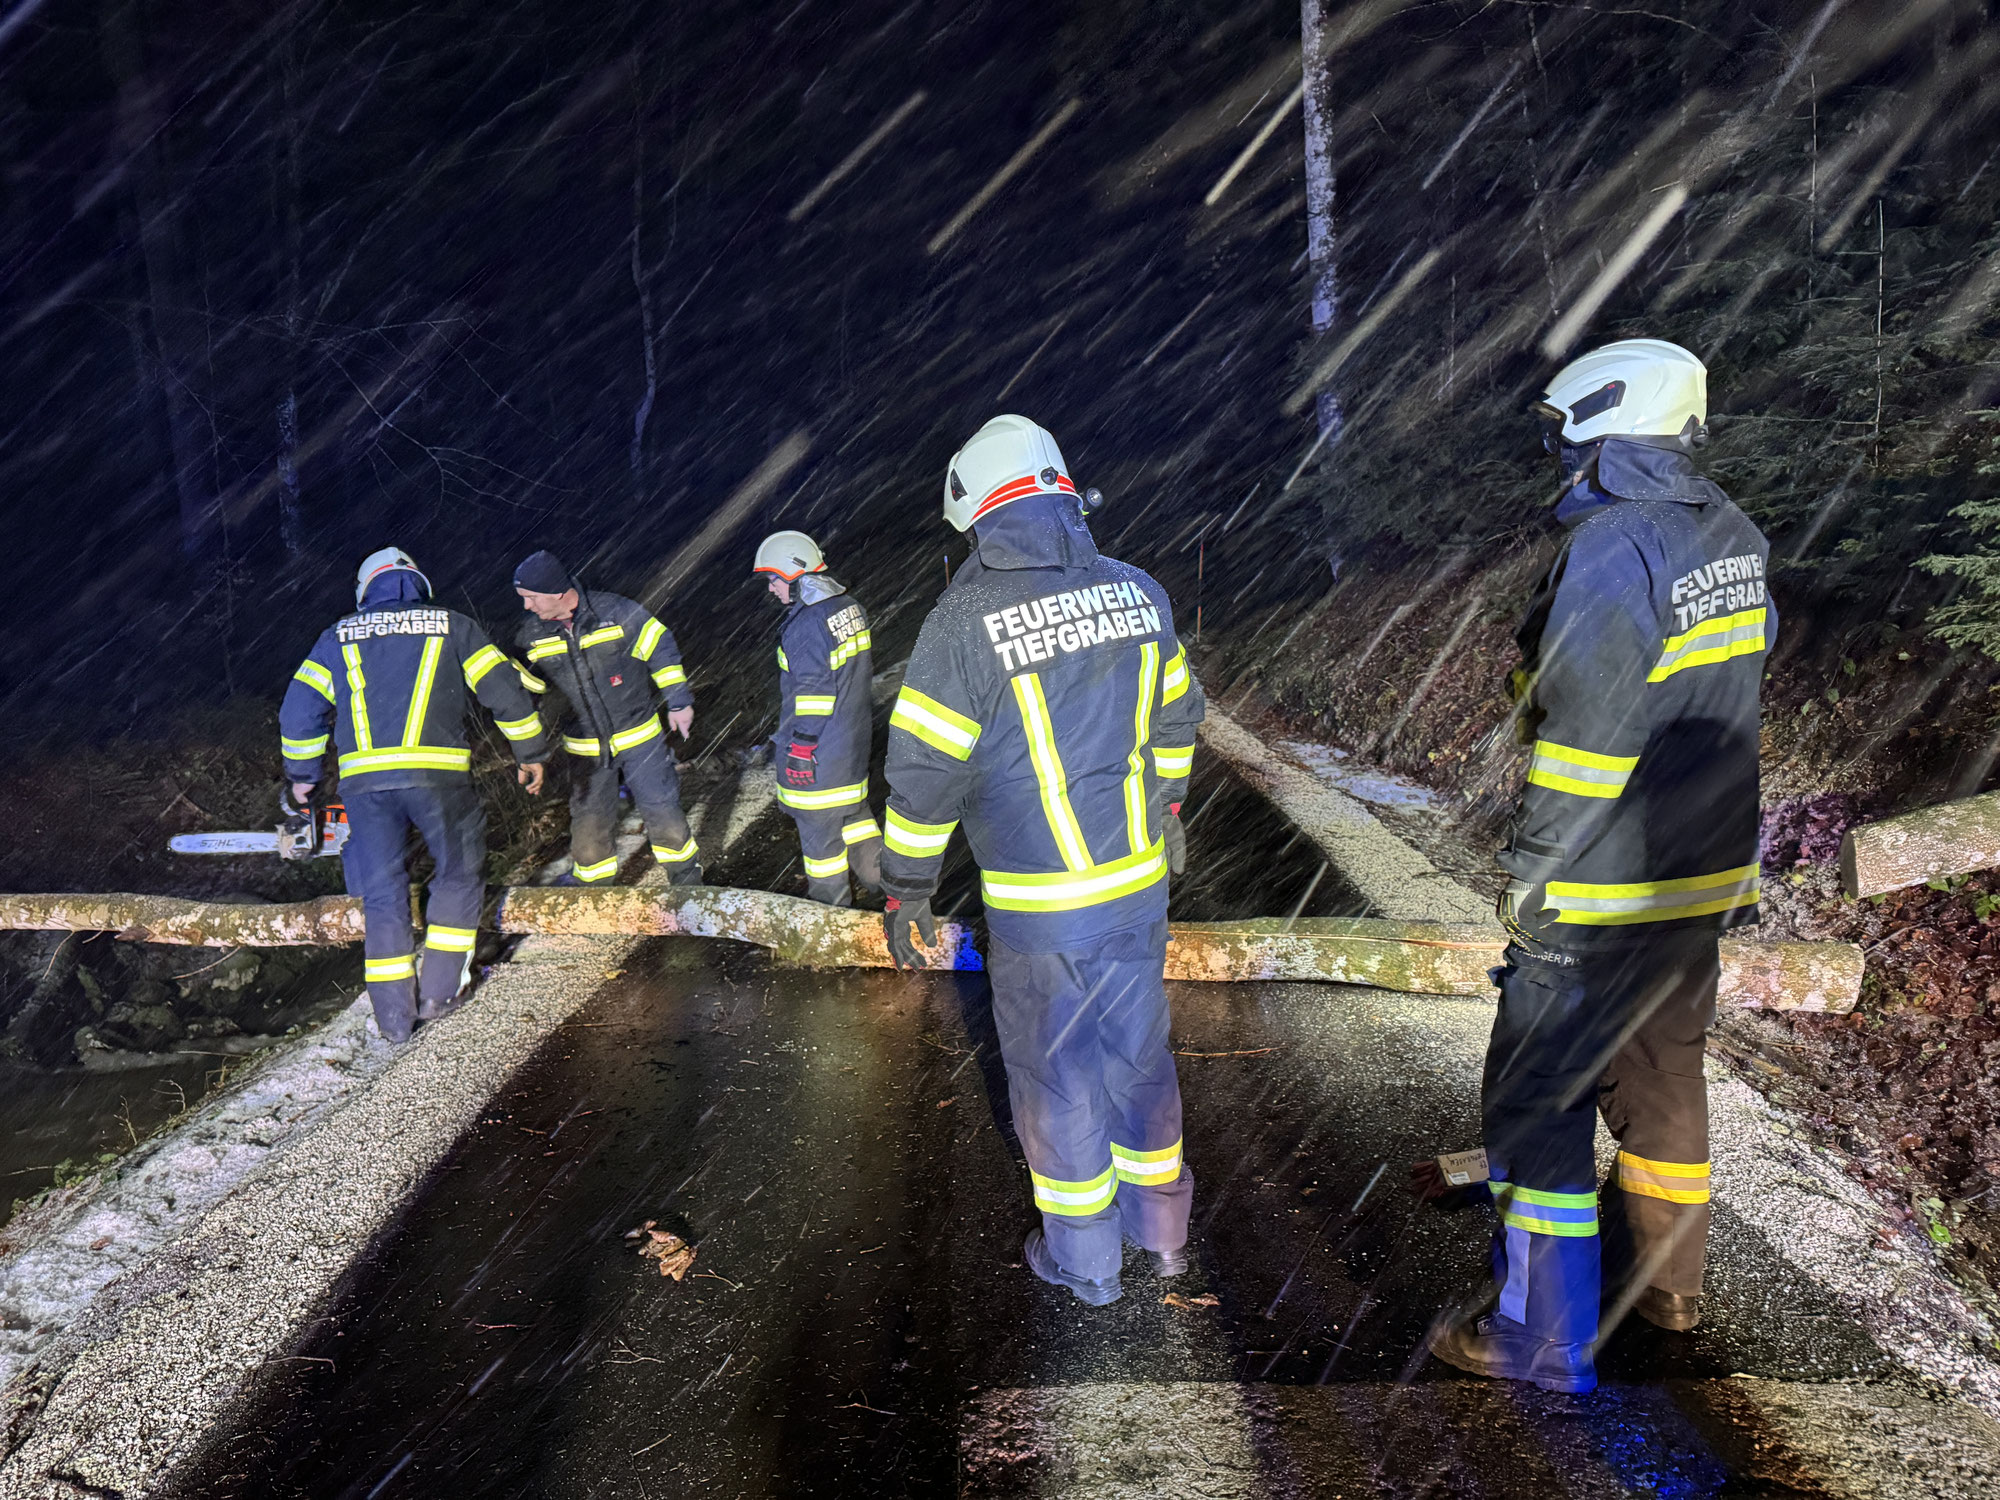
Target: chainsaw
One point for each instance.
(314, 831)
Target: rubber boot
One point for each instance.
(1497, 1347)
(395, 1004)
(687, 874)
(1166, 1264)
(1035, 1251)
(1673, 1311)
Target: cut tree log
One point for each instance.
(1952, 838)
(1425, 958)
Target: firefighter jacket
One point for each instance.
(824, 675)
(1644, 650)
(614, 662)
(1049, 707)
(389, 685)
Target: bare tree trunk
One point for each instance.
(1425, 958)
(285, 184)
(642, 284)
(176, 347)
(1321, 246)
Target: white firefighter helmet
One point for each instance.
(388, 560)
(1633, 388)
(1008, 458)
(789, 554)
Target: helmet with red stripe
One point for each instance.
(384, 560)
(1007, 459)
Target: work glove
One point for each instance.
(896, 920)
(1176, 837)
(801, 769)
(1508, 910)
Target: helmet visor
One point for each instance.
(1550, 420)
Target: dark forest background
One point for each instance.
(278, 286)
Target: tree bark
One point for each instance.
(1953, 838)
(1424, 958)
(176, 348)
(1320, 240)
(285, 190)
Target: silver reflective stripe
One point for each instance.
(1715, 640)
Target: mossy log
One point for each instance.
(1427, 958)
(1952, 838)
(209, 924)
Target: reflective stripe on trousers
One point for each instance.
(1095, 1099)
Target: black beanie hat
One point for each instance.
(543, 573)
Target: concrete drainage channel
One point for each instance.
(344, 1134)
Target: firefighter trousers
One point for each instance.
(452, 824)
(1096, 1102)
(1577, 1034)
(648, 773)
(835, 840)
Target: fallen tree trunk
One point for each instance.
(1953, 838)
(203, 924)
(1425, 958)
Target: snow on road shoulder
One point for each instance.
(1339, 769)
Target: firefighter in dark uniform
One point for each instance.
(1635, 845)
(614, 663)
(388, 686)
(825, 718)
(1049, 707)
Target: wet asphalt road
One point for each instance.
(858, 1322)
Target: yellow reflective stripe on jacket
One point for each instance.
(859, 829)
(1581, 773)
(678, 856)
(316, 677)
(548, 645)
(1673, 1181)
(670, 674)
(449, 939)
(386, 970)
(521, 729)
(1714, 640)
(937, 726)
(1136, 830)
(1172, 765)
(420, 694)
(1174, 682)
(604, 869)
(1049, 773)
(623, 740)
(530, 681)
(783, 665)
(477, 665)
(638, 734)
(819, 869)
(917, 840)
(848, 649)
(1147, 1168)
(649, 637)
(304, 749)
(357, 696)
(817, 797)
(1564, 1215)
(1589, 905)
(1053, 1195)
(1067, 892)
(807, 704)
(360, 762)
(603, 634)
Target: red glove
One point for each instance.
(801, 769)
